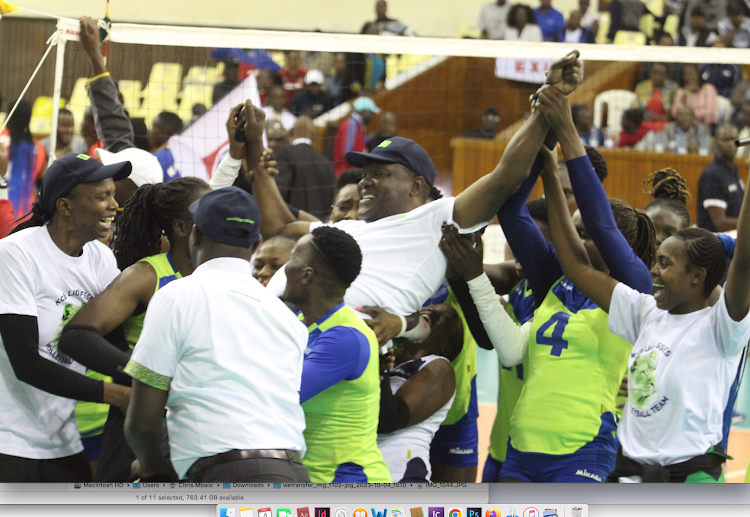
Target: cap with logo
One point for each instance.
(228, 215)
(365, 104)
(314, 77)
(72, 169)
(398, 150)
(146, 167)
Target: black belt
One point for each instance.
(237, 455)
(710, 463)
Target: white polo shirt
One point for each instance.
(402, 265)
(679, 375)
(230, 353)
(38, 279)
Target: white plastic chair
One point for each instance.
(617, 102)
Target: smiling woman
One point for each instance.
(52, 266)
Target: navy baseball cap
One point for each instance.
(70, 170)
(228, 215)
(398, 150)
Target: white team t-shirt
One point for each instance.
(230, 353)
(38, 279)
(679, 375)
(400, 447)
(402, 265)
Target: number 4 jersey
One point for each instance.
(575, 368)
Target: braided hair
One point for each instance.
(704, 249)
(597, 162)
(340, 252)
(637, 229)
(670, 191)
(148, 214)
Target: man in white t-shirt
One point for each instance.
(493, 18)
(224, 356)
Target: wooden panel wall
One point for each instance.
(627, 169)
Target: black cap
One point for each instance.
(70, 170)
(228, 215)
(398, 150)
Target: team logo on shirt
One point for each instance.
(642, 380)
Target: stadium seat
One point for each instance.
(201, 75)
(391, 66)
(724, 109)
(194, 94)
(166, 73)
(646, 25)
(617, 102)
(656, 7)
(41, 115)
(672, 25)
(604, 23)
(629, 38)
(157, 97)
(79, 102)
(131, 93)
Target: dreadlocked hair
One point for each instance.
(36, 217)
(340, 252)
(704, 249)
(150, 212)
(669, 190)
(637, 229)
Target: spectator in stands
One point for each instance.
(720, 190)
(583, 118)
(550, 21)
(266, 80)
(198, 110)
(493, 18)
(697, 95)
(350, 134)
(682, 136)
(490, 124)
(228, 83)
(67, 141)
(313, 100)
(633, 129)
(386, 129)
(589, 19)
(26, 158)
(276, 109)
(389, 26)
(276, 135)
(574, 33)
(293, 74)
(724, 77)
(655, 96)
(322, 61)
(694, 33)
(734, 30)
(674, 7)
(6, 207)
(743, 124)
(625, 15)
(522, 25)
(713, 9)
(305, 178)
(337, 86)
(366, 72)
(165, 125)
(88, 132)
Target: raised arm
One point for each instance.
(276, 216)
(623, 263)
(572, 255)
(112, 124)
(737, 287)
(481, 201)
